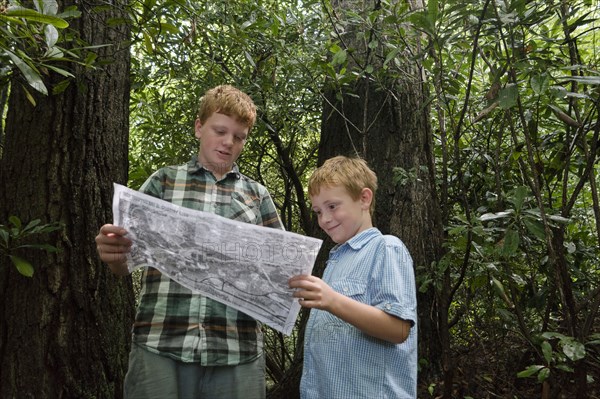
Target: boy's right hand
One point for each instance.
(112, 247)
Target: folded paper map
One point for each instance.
(242, 265)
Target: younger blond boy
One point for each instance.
(361, 336)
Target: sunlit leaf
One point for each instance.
(34, 16)
(51, 35)
(559, 219)
(498, 215)
(588, 80)
(33, 77)
(573, 349)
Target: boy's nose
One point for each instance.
(228, 139)
(325, 217)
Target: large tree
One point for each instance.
(379, 111)
(64, 332)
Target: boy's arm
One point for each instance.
(315, 293)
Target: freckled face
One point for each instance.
(222, 139)
(340, 216)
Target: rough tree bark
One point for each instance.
(64, 333)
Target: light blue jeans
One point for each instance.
(153, 376)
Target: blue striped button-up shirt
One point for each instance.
(340, 361)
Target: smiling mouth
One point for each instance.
(333, 228)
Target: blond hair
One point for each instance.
(230, 101)
(351, 173)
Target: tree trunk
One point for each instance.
(65, 332)
(387, 124)
(396, 135)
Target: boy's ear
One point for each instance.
(366, 197)
(197, 126)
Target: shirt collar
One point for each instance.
(194, 166)
(359, 240)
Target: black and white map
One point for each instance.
(239, 264)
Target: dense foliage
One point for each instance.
(514, 103)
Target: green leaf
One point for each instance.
(558, 92)
(547, 351)
(543, 374)
(589, 80)
(422, 21)
(531, 370)
(432, 10)
(33, 77)
(249, 58)
(13, 21)
(551, 334)
(519, 197)
(51, 35)
(169, 28)
(24, 267)
(5, 237)
(46, 247)
(508, 95)
(50, 7)
(29, 96)
(339, 57)
(60, 71)
(511, 242)
(34, 16)
(498, 215)
(499, 288)
(70, 12)
(31, 225)
(559, 219)
(535, 227)
(15, 221)
(573, 349)
(61, 86)
(540, 83)
(391, 55)
(148, 43)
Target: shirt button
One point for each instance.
(388, 306)
(345, 289)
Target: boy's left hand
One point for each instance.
(312, 291)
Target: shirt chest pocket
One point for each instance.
(241, 207)
(354, 289)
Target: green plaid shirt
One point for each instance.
(173, 321)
